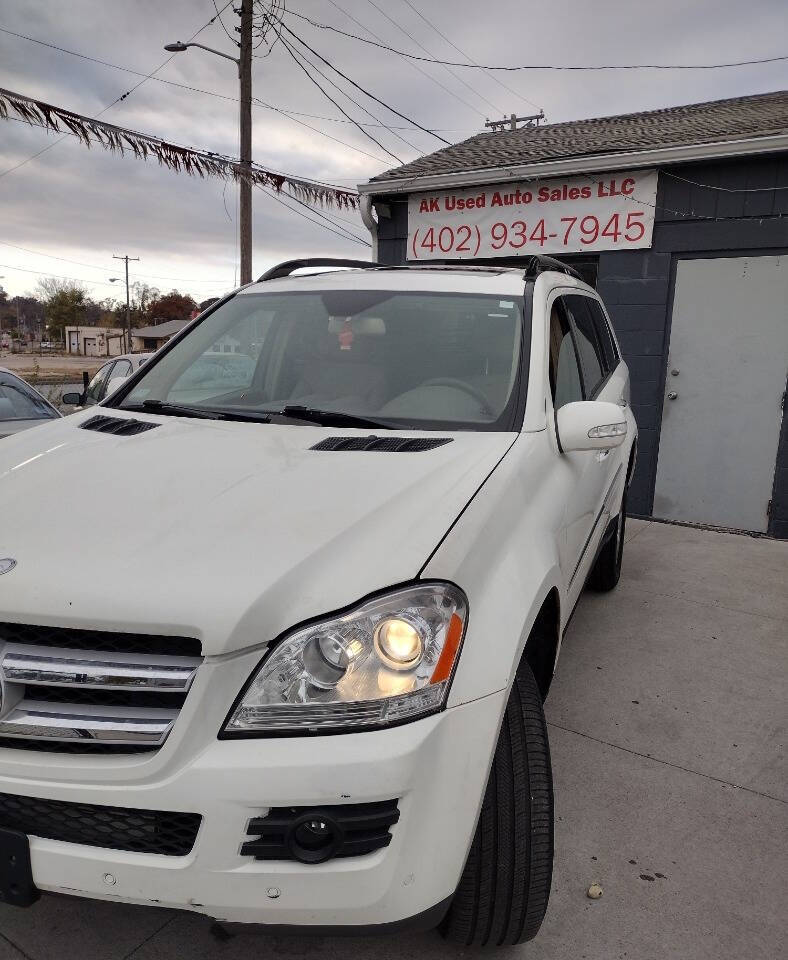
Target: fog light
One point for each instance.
(399, 644)
(314, 838)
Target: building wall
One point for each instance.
(637, 285)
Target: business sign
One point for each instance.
(607, 211)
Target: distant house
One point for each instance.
(148, 339)
(85, 341)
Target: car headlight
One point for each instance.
(388, 660)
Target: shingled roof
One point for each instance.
(697, 123)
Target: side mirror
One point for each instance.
(591, 425)
(72, 400)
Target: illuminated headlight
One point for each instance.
(384, 662)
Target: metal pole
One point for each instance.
(245, 76)
(128, 311)
(127, 333)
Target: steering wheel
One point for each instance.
(477, 395)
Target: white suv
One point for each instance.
(278, 654)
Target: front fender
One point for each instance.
(503, 552)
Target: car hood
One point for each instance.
(230, 532)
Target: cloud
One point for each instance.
(87, 205)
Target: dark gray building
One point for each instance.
(679, 217)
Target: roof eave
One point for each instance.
(659, 156)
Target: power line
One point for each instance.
(711, 186)
(415, 66)
(214, 93)
(191, 161)
(94, 266)
(224, 156)
(360, 106)
(219, 18)
(329, 219)
(57, 276)
(290, 114)
(330, 98)
(421, 46)
(481, 66)
(462, 53)
(117, 99)
(359, 87)
(328, 136)
(344, 236)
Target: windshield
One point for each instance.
(425, 360)
(20, 402)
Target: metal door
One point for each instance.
(722, 408)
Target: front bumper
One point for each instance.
(436, 768)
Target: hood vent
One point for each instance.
(382, 444)
(120, 427)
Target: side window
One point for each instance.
(604, 333)
(588, 346)
(121, 369)
(96, 385)
(565, 383)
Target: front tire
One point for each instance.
(503, 892)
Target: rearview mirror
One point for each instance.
(591, 425)
(71, 400)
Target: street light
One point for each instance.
(244, 65)
(179, 47)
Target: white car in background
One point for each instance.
(296, 677)
(21, 407)
(106, 380)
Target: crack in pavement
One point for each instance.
(667, 763)
(147, 939)
(14, 946)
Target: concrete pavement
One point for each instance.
(667, 730)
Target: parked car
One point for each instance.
(108, 378)
(21, 407)
(296, 677)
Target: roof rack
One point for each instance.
(290, 266)
(536, 264)
(541, 264)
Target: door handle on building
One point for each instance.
(672, 395)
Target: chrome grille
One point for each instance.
(91, 691)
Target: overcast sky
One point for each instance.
(86, 205)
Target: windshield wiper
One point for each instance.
(174, 410)
(328, 418)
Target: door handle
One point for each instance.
(602, 455)
(672, 395)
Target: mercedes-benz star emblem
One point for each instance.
(7, 564)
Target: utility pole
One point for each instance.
(126, 259)
(512, 121)
(245, 204)
(243, 64)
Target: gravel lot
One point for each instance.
(667, 726)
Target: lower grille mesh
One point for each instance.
(363, 827)
(115, 828)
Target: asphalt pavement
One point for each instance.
(667, 730)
